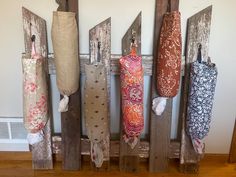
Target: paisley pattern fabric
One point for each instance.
(132, 97)
(35, 93)
(96, 112)
(203, 78)
(169, 55)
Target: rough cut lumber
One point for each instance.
(198, 32)
(100, 51)
(232, 153)
(70, 120)
(35, 25)
(129, 158)
(160, 126)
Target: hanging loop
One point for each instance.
(199, 53)
(133, 44)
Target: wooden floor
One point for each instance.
(211, 166)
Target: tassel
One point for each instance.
(159, 105)
(63, 105)
(34, 138)
(198, 145)
(96, 154)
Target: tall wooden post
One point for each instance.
(70, 120)
(160, 126)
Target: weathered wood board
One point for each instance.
(35, 25)
(70, 120)
(232, 153)
(100, 52)
(115, 148)
(129, 158)
(160, 126)
(198, 32)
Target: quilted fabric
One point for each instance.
(132, 97)
(169, 55)
(203, 78)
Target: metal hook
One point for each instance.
(199, 53)
(33, 37)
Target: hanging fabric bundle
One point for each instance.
(169, 60)
(131, 75)
(203, 76)
(65, 46)
(96, 112)
(35, 95)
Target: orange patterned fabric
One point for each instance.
(169, 55)
(132, 97)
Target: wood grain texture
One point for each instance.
(129, 158)
(70, 120)
(211, 166)
(160, 126)
(35, 25)
(115, 148)
(100, 53)
(198, 31)
(232, 153)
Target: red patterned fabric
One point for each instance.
(132, 97)
(169, 56)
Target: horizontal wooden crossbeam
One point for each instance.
(115, 144)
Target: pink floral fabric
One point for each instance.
(35, 94)
(132, 97)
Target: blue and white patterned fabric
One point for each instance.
(203, 78)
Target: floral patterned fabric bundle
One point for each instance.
(169, 55)
(203, 78)
(35, 96)
(132, 97)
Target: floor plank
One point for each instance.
(210, 166)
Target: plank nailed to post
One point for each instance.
(35, 25)
(70, 120)
(160, 126)
(129, 158)
(198, 33)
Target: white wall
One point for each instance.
(123, 13)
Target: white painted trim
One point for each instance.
(12, 141)
(3, 119)
(14, 147)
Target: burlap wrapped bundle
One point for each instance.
(65, 46)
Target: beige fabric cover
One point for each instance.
(35, 94)
(65, 46)
(96, 111)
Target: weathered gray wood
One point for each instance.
(129, 158)
(198, 31)
(115, 65)
(35, 25)
(70, 120)
(232, 153)
(160, 126)
(115, 148)
(100, 52)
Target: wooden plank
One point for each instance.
(115, 148)
(232, 152)
(70, 120)
(100, 52)
(198, 31)
(115, 65)
(35, 25)
(160, 126)
(129, 158)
